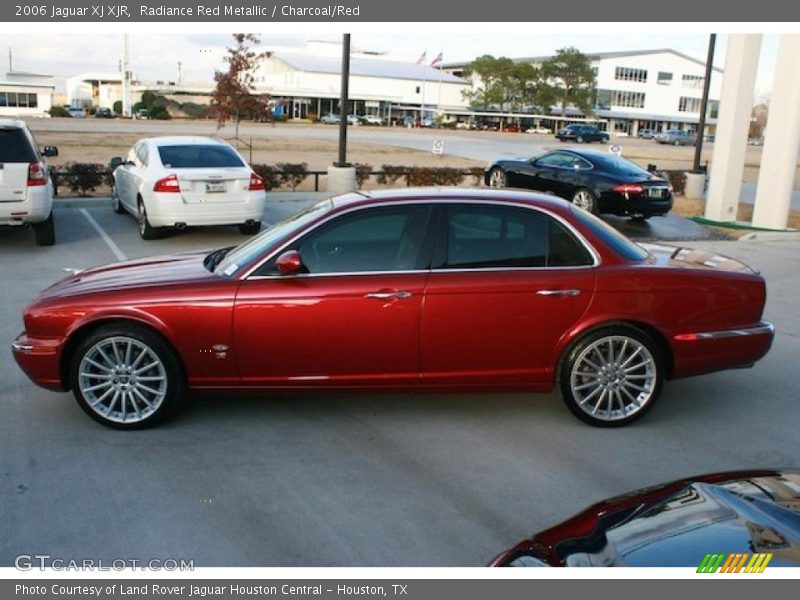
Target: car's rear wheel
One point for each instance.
(579, 139)
(147, 231)
(585, 199)
(497, 178)
(45, 232)
(126, 377)
(250, 228)
(612, 376)
(115, 202)
(676, 143)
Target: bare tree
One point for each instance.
(234, 97)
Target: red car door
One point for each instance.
(353, 318)
(507, 283)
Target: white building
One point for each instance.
(25, 94)
(646, 89)
(309, 81)
(96, 89)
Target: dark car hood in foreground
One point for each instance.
(677, 524)
(156, 270)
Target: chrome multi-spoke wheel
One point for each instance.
(584, 199)
(612, 377)
(497, 178)
(125, 377)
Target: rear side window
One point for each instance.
(198, 156)
(481, 237)
(610, 236)
(15, 147)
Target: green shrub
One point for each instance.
(59, 111)
(117, 107)
(82, 177)
(269, 174)
(292, 174)
(390, 174)
(677, 179)
(363, 173)
(477, 175)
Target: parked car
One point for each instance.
(539, 130)
(353, 120)
(330, 119)
(599, 182)
(142, 114)
(187, 181)
(104, 113)
(678, 524)
(76, 112)
(372, 120)
(582, 134)
(677, 137)
(402, 289)
(647, 134)
(427, 123)
(511, 128)
(26, 190)
(409, 121)
(465, 125)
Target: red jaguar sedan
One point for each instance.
(406, 290)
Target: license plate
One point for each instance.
(654, 192)
(215, 188)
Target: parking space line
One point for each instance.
(107, 238)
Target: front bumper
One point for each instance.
(40, 359)
(706, 351)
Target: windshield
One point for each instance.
(198, 156)
(610, 236)
(244, 254)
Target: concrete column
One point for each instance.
(735, 106)
(782, 140)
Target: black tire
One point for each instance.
(250, 228)
(115, 203)
(676, 143)
(45, 232)
(584, 198)
(619, 411)
(146, 231)
(498, 178)
(173, 387)
(579, 139)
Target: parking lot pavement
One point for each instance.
(351, 479)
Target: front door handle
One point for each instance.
(570, 292)
(401, 295)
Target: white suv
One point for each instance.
(26, 191)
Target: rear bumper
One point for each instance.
(707, 351)
(167, 210)
(623, 204)
(39, 358)
(35, 208)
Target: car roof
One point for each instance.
(12, 124)
(184, 141)
(449, 193)
(587, 154)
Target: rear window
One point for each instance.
(15, 147)
(610, 162)
(610, 236)
(198, 156)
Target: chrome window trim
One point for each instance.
(433, 201)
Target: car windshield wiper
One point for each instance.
(212, 260)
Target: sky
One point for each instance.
(156, 56)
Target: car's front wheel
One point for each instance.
(497, 178)
(585, 199)
(676, 143)
(579, 139)
(126, 377)
(250, 228)
(612, 376)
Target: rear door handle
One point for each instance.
(401, 295)
(570, 292)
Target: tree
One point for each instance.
(494, 78)
(233, 95)
(570, 72)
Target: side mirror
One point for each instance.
(115, 162)
(289, 263)
(49, 151)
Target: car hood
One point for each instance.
(677, 256)
(152, 271)
(677, 524)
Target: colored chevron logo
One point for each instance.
(734, 563)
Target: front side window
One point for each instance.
(486, 237)
(383, 239)
(198, 156)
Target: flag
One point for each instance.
(422, 58)
(437, 60)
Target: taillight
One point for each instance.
(628, 188)
(36, 174)
(256, 183)
(168, 185)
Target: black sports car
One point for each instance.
(599, 182)
(582, 134)
(728, 520)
